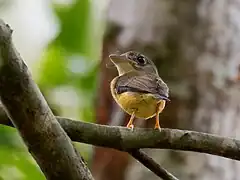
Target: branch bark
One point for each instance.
(30, 114)
(124, 139)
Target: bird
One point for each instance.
(138, 88)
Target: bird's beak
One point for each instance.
(116, 59)
(122, 63)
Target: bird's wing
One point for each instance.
(144, 83)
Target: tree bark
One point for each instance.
(196, 46)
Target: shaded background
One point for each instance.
(195, 45)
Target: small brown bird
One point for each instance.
(138, 89)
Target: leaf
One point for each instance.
(53, 68)
(75, 25)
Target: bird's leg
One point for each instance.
(130, 122)
(160, 107)
(157, 124)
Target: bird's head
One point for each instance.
(133, 61)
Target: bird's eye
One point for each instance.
(141, 60)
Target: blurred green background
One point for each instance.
(61, 42)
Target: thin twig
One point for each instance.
(147, 161)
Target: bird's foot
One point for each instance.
(131, 126)
(157, 127)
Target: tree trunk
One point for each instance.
(196, 47)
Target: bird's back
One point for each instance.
(134, 93)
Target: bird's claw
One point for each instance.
(158, 128)
(130, 127)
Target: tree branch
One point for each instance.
(137, 154)
(124, 139)
(151, 164)
(30, 114)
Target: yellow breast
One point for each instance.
(144, 105)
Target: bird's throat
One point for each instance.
(124, 68)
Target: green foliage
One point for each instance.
(75, 25)
(53, 66)
(71, 59)
(15, 162)
(18, 165)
